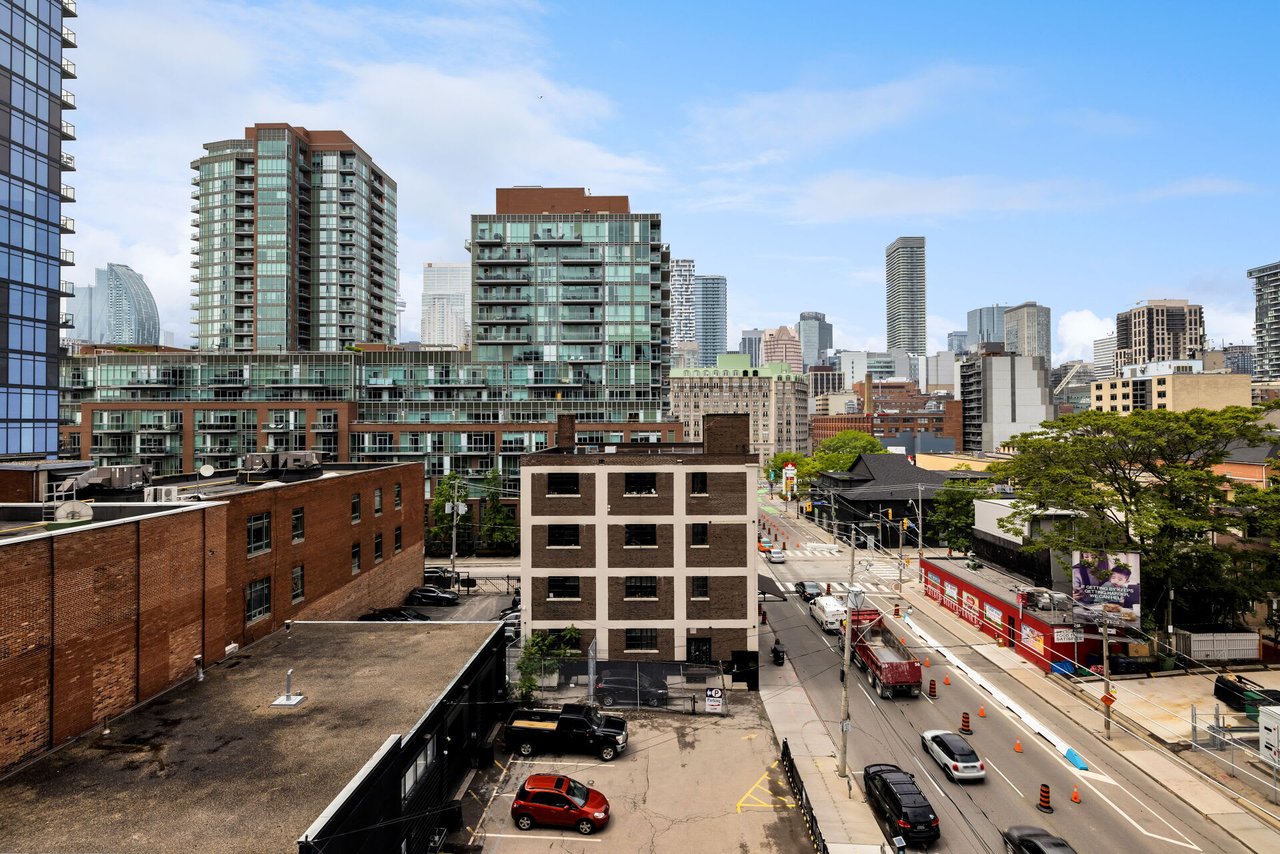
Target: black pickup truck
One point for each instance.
(575, 728)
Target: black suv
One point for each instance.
(394, 615)
(630, 689)
(895, 797)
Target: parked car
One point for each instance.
(764, 544)
(573, 728)
(959, 761)
(613, 687)
(510, 627)
(829, 613)
(809, 590)
(1034, 840)
(559, 802)
(895, 797)
(439, 576)
(398, 614)
(429, 595)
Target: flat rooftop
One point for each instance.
(1000, 584)
(212, 767)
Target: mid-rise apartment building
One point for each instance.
(295, 243)
(572, 299)
(774, 396)
(1028, 330)
(1232, 358)
(1177, 387)
(782, 345)
(750, 345)
(1159, 330)
(1104, 357)
(650, 551)
(32, 73)
(1004, 394)
(905, 295)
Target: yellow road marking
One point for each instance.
(770, 801)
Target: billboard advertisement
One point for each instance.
(1106, 589)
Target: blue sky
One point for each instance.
(1085, 156)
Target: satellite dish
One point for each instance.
(72, 511)
(206, 470)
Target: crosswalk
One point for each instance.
(873, 575)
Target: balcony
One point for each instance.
(159, 427)
(218, 427)
(68, 100)
(67, 321)
(585, 255)
(495, 276)
(485, 337)
(504, 256)
(547, 237)
(68, 130)
(67, 257)
(569, 315)
(488, 239)
(325, 427)
(68, 38)
(68, 193)
(501, 295)
(68, 70)
(483, 316)
(68, 8)
(67, 224)
(67, 287)
(68, 162)
(580, 294)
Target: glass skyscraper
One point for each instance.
(905, 296)
(815, 337)
(446, 304)
(296, 243)
(32, 71)
(710, 318)
(118, 309)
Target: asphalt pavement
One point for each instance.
(1121, 808)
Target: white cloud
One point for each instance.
(1077, 330)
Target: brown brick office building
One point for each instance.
(99, 615)
(649, 550)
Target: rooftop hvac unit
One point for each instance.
(160, 494)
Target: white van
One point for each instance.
(828, 612)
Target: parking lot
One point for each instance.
(686, 782)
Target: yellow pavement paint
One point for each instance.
(759, 796)
(749, 737)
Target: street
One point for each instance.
(1121, 809)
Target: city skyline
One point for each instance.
(1050, 152)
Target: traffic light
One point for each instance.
(890, 515)
(808, 507)
(905, 523)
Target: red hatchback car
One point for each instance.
(559, 802)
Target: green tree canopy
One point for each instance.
(951, 516)
(498, 524)
(835, 454)
(441, 520)
(1143, 483)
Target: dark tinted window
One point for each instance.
(639, 535)
(640, 483)
(564, 536)
(698, 483)
(562, 483)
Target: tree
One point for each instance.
(542, 653)
(853, 442)
(835, 454)
(498, 524)
(951, 516)
(441, 529)
(1141, 483)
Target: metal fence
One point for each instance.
(672, 685)
(802, 800)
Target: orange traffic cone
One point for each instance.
(926, 661)
(1017, 745)
(897, 610)
(1044, 805)
(965, 729)
(982, 711)
(1075, 794)
(946, 680)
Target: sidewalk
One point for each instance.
(847, 824)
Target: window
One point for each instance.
(640, 483)
(417, 771)
(640, 587)
(398, 541)
(698, 534)
(299, 524)
(377, 501)
(299, 588)
(564, 587)
(377, 548)
(699, 587)
(259, 533)
(257, 599)
(562, 536)
(562, 483)
(639, 535)
(641, 639)
(355, 508)
(698, 483)
(398, 499)
(355, 558)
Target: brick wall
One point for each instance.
(545, 557)
(726, 599)
(726, 546)
(563, 609)
(641, 557)
(659, 504)
(637, 610)
(618, 647)
(726, 495)
(25, 606)
(16, 487)
(583, 504)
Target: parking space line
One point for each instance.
(751, 799)
(563, 762)
(578, 837)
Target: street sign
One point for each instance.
(1068, 635)
(1107, 700)
(715, 700)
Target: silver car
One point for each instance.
(953, 753)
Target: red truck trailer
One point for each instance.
(890, 666)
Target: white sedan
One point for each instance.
(953, 753)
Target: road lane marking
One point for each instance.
(1187, 844)
(1006, 779)
(925, 772)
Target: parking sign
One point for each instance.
(715, 700)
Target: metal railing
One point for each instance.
(802, 800)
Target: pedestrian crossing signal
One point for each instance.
(808, 507)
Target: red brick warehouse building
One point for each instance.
(103, 612)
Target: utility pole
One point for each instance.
(1106, 675)
(920, 528)
(456, 508)
(854, 596)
